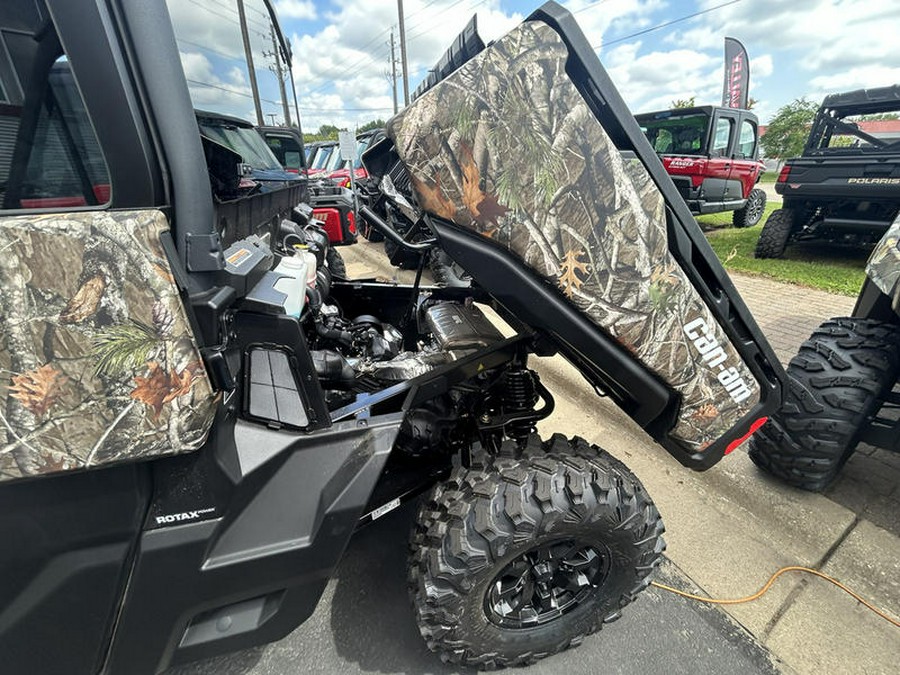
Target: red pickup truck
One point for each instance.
(712, 155)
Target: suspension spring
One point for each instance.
(520, 397)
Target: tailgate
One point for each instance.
(539, 181)
(839, 177)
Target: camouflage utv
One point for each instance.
(193, 425)
(842, 384)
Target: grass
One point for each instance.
(836, 269)
(768, 177)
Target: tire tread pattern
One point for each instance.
(472, 520)
(835, 384)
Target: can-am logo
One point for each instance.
(714, 357)
(183, 516)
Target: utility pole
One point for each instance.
(403, 62)
(393, 71)
(279, 73)
(249, 56)
(271, 118)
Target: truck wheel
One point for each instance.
(836, 384)
(336, 263)
(752, 211)
(513, 560)
(775, 234)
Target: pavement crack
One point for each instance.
(805, 580)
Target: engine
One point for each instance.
(365, 353)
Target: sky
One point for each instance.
(655, 51)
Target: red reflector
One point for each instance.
(753, 429)
(351, 222)
(785, 172)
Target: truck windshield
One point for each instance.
(673, 133)
(242, 140)
(217, 66)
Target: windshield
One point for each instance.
(215, 63)
(322, 155)
(242, 140)
(363, 143)
(674, 133)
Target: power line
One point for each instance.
(665, 24)
(231, 91)
(209, 49)
(278, 103)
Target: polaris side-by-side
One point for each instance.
(197, 412)
(845, 188)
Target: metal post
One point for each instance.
(403, 63)
(279, 73)
(393, 71)
(249, 56)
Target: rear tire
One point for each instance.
(478, 530)
(336, 264)
(775, 234)
(752, 211)
(836, 384)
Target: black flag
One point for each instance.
(737, 75)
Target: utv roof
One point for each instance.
(695, 110)
(864, 101)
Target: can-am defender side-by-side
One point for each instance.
(842, 385)
(845, 187)
(712, 155)
(196, 415)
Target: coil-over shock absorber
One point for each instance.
(519, 398)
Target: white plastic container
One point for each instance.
(311, 263)
(294, 283)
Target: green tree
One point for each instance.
(684, 102)
(326, 132)
(373, 124)
(787, 131)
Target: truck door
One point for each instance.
(98, 363)
(716, 184)
(744, 167)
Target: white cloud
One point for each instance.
(652, 81)
(855, 78)
(295, 9)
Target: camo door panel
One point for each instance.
(97, 360)
(508, 148)
(883, 267)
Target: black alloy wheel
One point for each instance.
(545, 583)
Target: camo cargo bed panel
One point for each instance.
(507, 147)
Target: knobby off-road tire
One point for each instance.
(752, 211)
(775, 233)
(487, 519)
(835, 385)
(336, 263)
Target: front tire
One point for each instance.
(516, 559)
(775, 234)
(835, 385)
(752, 211)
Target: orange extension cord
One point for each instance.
(762, 591)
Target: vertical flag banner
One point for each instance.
(735, 91)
